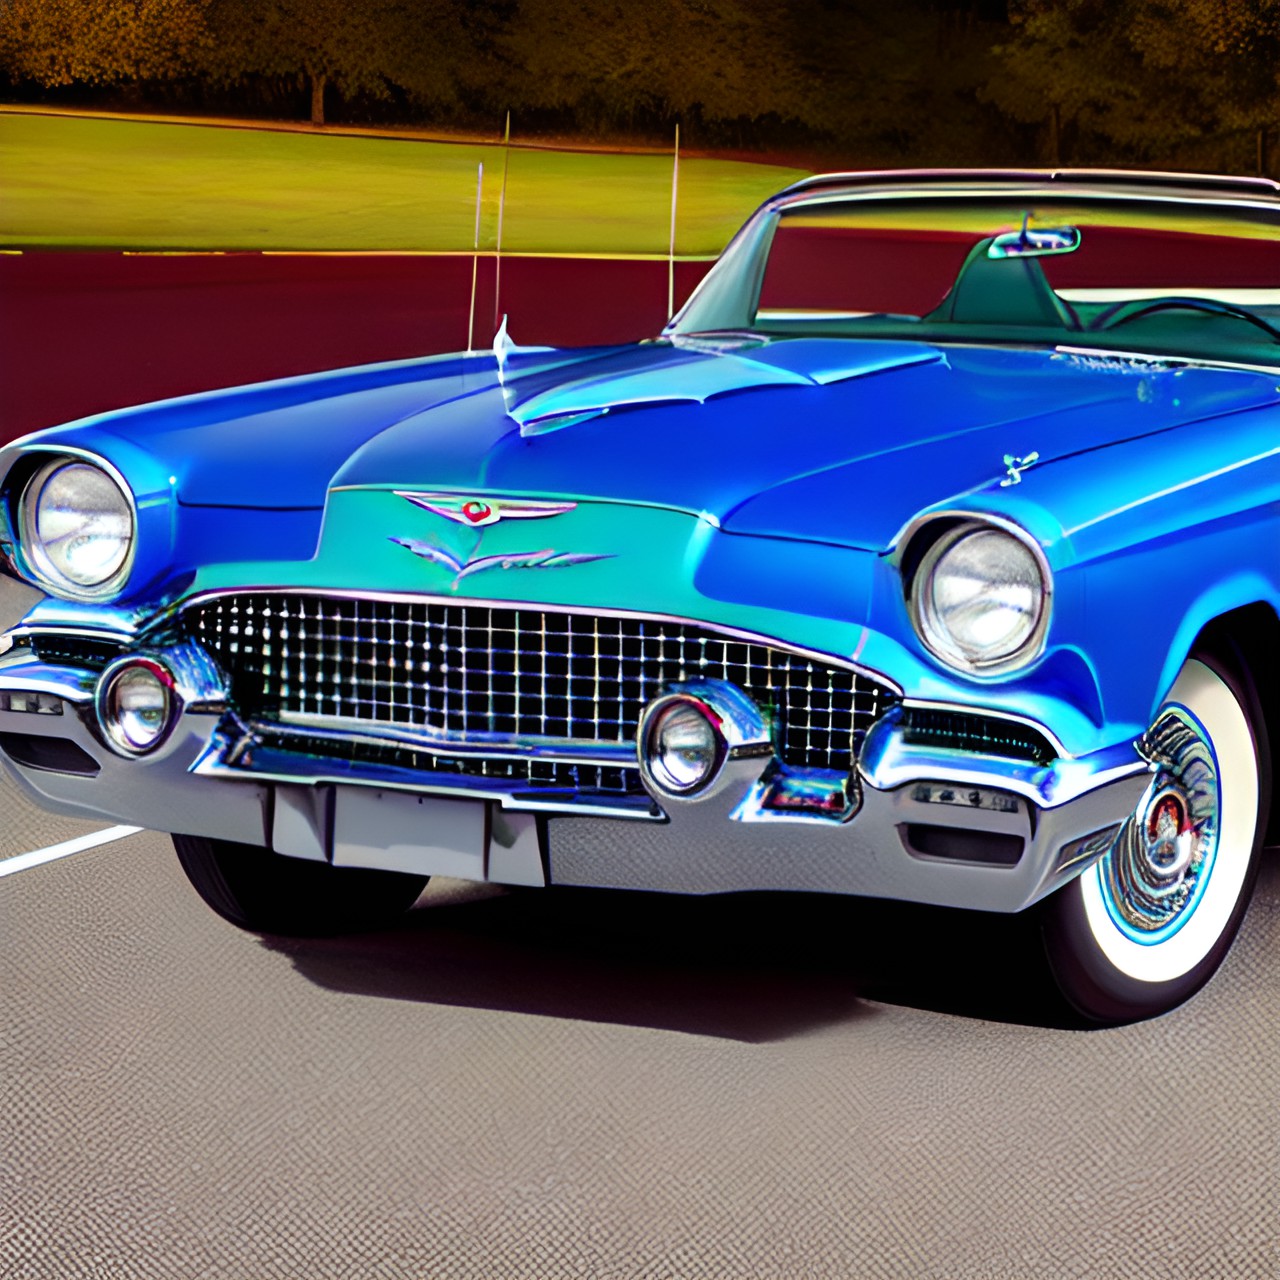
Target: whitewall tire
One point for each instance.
(1147, 925)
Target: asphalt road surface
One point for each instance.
(601, 1084)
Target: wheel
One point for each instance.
(267, 893)
(1147, 925)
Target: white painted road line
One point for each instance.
(25, 861)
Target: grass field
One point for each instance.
(122, 184)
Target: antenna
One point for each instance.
(671, 256)
(475, 260)
(502, 204)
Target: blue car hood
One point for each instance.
(822, 439)
(827, 440)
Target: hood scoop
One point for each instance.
(828, 360)
(704, 375)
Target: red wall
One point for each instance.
(83, 332)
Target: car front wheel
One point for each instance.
(267, 893)
(1148, 924)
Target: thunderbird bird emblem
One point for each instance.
(545, 559)
(1016, 467)
(475, 512)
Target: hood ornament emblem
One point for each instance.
(1016, 466)
(545, 559)
(476, 512)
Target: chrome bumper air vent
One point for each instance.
(83, 652)
(964, 731)
(461, 670)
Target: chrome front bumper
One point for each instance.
(933, 825)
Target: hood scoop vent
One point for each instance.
(696, 376)
(555, 421)
(693, 381)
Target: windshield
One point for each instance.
(1169, 276)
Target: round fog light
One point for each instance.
(682, 748)
(135, 704)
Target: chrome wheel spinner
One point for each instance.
(1156, 871)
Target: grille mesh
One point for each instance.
(461, 668)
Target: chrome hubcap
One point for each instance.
(1157, 869)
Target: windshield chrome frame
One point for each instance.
(727, 297)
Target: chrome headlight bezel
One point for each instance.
(114, 720)
(653, 770)
(32, 554)
(936, 638)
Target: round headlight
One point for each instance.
(135, 705)
(77, 527)
(681, 747)
(979, 599)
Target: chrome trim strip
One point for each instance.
(27, 674)
(1020, 188)
(23, 631)
(1241, 296)
(1213, 186)
(1202, 478)
(917, 522)
(495, 746)
(887, 762)
(416, 597)
(1147, 357)
(310, 771)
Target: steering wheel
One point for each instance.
(1123, 312)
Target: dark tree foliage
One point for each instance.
(1067, 66)
(106, 42)
(1220, 61)
(857, 77)
(722, 59)
(1139, 80)
(899, 82)
(368, 48)
(868, 82)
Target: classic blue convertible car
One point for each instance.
(931, 552)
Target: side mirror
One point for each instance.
(1034, 242)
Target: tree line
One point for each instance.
(1195, 82)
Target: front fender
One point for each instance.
(1237, 592)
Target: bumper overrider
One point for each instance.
(701, 788)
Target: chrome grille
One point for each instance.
(458, 668)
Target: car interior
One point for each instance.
(1126, 276)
